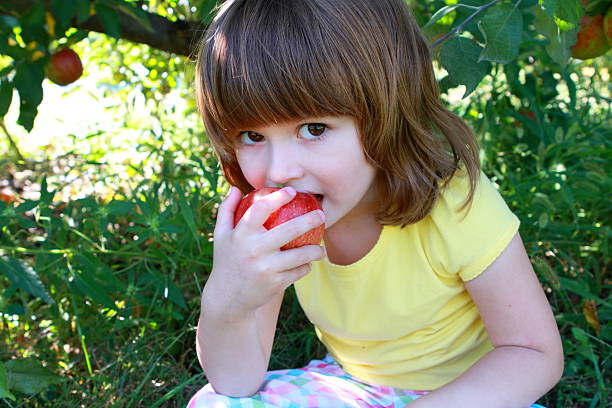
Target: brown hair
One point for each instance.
(271, 61)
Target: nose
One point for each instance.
(284, 165)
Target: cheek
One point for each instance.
(252, 170)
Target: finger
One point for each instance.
(293, 275)
(254, 218)
(290, 230)
(292, 258)
(225, 214)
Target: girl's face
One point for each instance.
(319, 155)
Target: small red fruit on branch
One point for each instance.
(65, 67)
(607, 25)
(6, 197)
(301, 204)
(591, 41)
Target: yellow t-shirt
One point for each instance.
(401, 315)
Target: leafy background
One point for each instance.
(107, 246)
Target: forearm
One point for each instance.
(507, 377)
(231, 354)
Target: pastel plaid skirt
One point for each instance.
(321, 384)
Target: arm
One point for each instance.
(527, 359)
(244, 345)
(244, 292)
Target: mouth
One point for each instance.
(319, 197)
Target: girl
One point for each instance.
(422, 292)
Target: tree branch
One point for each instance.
(178, 37)
(464, 23)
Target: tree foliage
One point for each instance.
(473, 34)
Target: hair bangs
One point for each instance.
(271, 70)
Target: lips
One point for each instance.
(318, 196)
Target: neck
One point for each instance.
(349, 241)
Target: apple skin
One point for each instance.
(607, 25)
(6, 198)
(301, 204)
(591, 41)
(65, 67)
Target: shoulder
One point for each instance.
(456, 192)
(467, 238)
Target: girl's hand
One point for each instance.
(249, 268)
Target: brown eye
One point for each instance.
(312, 130)
(250, 137)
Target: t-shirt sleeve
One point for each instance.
(466, 241)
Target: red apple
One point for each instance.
(591, 41)
(301, 204)
(607, 25)
(6, 197)
(65, 67)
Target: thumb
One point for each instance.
(225, 214)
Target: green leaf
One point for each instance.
(32, 23)
(14, 309)
(567, 194)
(110, 19)
(441, 13)
(580, 335)
(4, 389)
(502, 28)
(26, 223)
(137, 14)
(28, 82)
(543, 200)
(577, 287)
(543, 220)
(118, 207)
(24, 277)
(94, 268)
(571, 87)
(174, 294)
(64, 11)
(6, 96)
(566, 10)
(89, 287)
(559, 43)
(29, 376)
(82, 8)
(187, 214)
(9, 22)
(459, 56)
(46, 196)
(27, 205)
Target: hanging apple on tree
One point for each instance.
(6, 197)
(65, 67)
(593, 38)
(607, 25)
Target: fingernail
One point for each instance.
(291, 191)
(322, 215)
